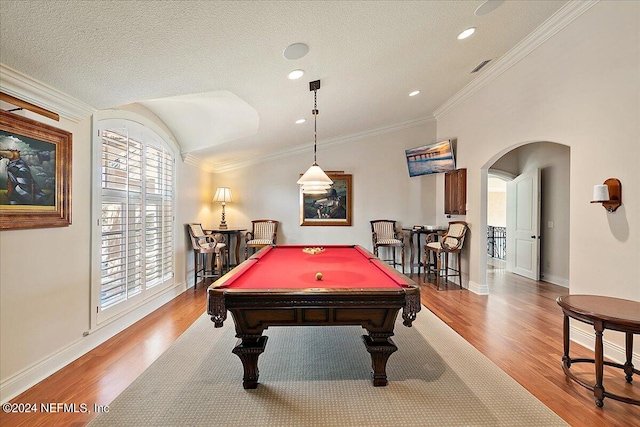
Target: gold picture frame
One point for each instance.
(35, 174)
(331, 209)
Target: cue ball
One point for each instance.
(318, 276)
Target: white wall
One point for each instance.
(382, 188)
(580, 88)
(45, 273)
(193, 204)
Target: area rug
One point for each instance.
(320, 376)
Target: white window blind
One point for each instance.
(136, 222)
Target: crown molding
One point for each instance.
(304, 148)
(14, 83)
(563, 17)
(199, 162)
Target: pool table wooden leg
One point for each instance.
(248, 350)
(380, 346)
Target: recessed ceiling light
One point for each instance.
(487, 7)
(414, 93)
(296, 51)
(466, 33)
(300, 121)
(295, 74)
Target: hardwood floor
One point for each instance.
(103, 373)
(518, 327)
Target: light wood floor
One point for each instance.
(518, 327)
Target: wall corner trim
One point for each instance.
(16, 84)
(478, 288)
(555, 280)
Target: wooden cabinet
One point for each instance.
(455, 192)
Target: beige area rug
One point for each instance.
(320, 376)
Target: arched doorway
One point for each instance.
(553, 160)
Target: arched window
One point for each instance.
(133, 210)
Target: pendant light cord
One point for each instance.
(315, 124)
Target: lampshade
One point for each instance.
(223, 194)
(314, 192)
(600, 193)
(315, 176)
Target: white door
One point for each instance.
(523, 224)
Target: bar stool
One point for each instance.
(205, 245)
(384, 234)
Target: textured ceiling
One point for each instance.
(368, 54)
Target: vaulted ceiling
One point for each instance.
(215, 73)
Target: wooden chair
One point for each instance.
(450, 243)
(205, 245)
(263, 232)
(384, 234)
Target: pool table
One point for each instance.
(280, 286)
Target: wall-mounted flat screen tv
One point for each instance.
(431, 158)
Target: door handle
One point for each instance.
(533, 237)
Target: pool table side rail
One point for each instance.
(220, 300)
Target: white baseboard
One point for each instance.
(35, 373)
(555, 280)
(478, 289)
(611, 351)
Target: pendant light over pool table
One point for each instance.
(314, 180)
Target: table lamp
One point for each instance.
(223, 195)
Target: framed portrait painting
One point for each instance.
(333, 208)
(35, 174)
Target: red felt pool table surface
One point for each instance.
(289, 267)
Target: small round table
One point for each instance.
(603, 313)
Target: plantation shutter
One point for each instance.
(137, 180)
(158, 217)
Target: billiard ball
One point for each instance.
(318, 276)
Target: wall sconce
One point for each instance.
(223, 194)
(609, 194)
